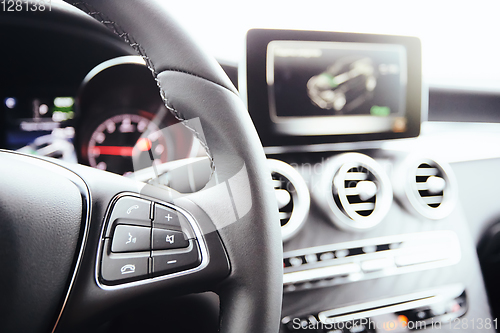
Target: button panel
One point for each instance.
(144, 239)
(335, 264)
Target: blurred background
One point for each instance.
(459, 38)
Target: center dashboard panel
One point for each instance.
(374, 240)
(329, 267)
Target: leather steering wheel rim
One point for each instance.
(250, 298)
(196, 90)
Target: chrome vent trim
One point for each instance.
(354, 191)
(429, 187)
(292, 195)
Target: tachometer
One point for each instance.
(126, 143)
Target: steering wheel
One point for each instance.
(72, 238)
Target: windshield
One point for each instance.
(458, 40)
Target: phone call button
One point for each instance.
(124, 266)
(130, 210)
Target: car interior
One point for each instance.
(324, 181)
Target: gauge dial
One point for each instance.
(126, 142)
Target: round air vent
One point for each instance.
(292, 195)
(427, 186)
(355, 191)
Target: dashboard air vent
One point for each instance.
(292, 195)
(355, 191)
(429, 187)
(360, 189)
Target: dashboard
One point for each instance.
(380, 212)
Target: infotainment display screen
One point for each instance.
(305, 87)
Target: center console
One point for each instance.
(374, 239)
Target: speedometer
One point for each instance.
(122, 124)
(126, 142)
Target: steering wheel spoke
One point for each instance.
(144, 242)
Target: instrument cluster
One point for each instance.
(116, 122)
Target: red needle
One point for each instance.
(143, 144)
(113, 150)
